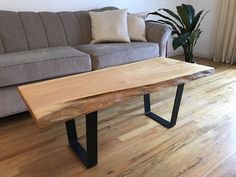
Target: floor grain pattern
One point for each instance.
(202, 144)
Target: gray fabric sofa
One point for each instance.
(46, 45)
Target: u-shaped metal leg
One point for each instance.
(88, 156)
(175, 110)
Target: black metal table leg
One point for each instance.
(175, 110)
(88, 156)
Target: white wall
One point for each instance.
(57, 5)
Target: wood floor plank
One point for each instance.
(202, 144)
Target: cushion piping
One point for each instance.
(118, 51)
(46, 60)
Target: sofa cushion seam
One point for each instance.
(63, 27)
(45, 60)
(120, 51)
(23, 29)
(44, 29)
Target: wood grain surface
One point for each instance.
(58, 100)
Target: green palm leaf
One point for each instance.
(171, 13)
(191, 12)
(202, 19)
(165, 17)
(184, 16)
(181, 40)
(194, 36)
(196, 20)
(175, 30)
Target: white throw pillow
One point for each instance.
(137, 27)
(109, 26)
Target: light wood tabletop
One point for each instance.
(62, 99)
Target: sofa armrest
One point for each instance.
(158, 33)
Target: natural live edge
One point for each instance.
(77, 107)
(30, 111)
(62, 99)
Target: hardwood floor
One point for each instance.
(203, 143)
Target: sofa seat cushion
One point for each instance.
(41, 64)
(113, 54)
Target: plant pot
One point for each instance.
(188, 54)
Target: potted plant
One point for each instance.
(185, 27)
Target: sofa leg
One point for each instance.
(88, 156)
(175, 110)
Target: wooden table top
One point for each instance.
(58, 100)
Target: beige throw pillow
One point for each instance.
(109, 26)
(137, 27)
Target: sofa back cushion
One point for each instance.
(12, 32)
(1, 46)
(20, 31)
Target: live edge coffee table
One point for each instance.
(61, 100)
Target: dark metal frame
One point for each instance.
(88, 156)
(165, 123)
